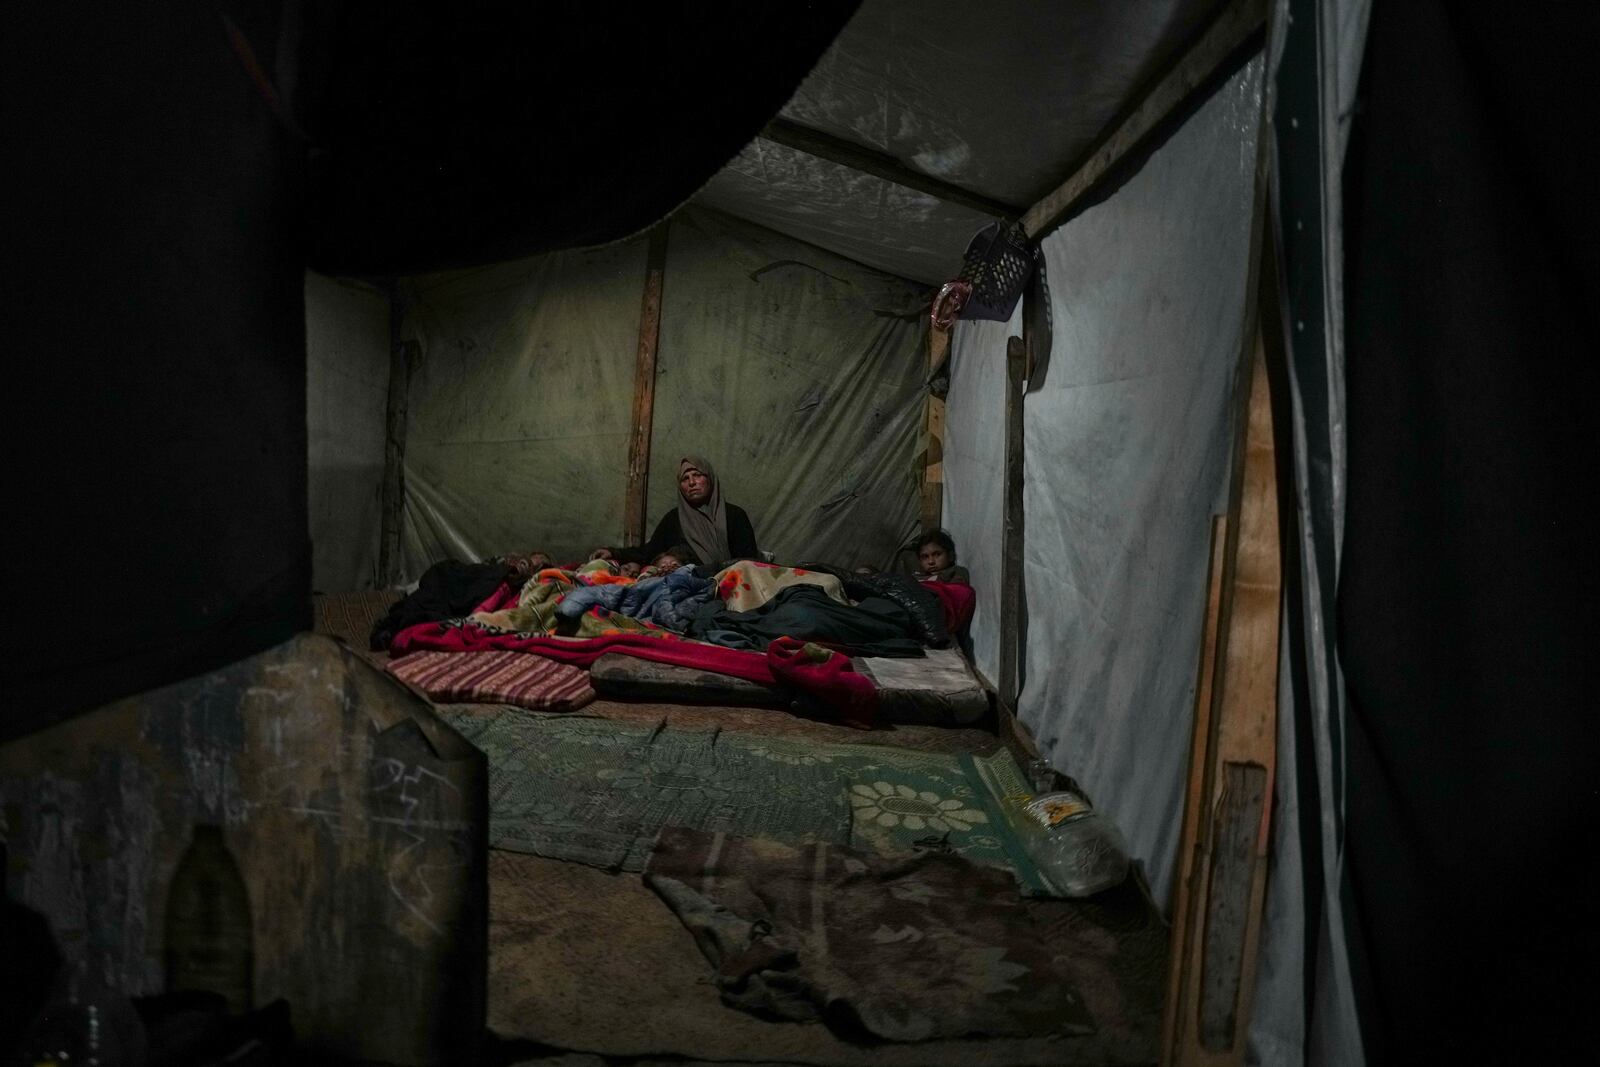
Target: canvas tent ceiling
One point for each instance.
(965, 93)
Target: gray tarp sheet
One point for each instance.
(800, 375)
(797, 373)
(519, 405)
(999, 98)
(347, 386)
(1126, 454)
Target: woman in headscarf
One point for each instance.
(713, 530)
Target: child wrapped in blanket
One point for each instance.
(936, 552)
(662, 565)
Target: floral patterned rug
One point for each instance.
(598, 791)
(907, 947)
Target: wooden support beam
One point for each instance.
(644, 390)
(880, 164)
(932, 512)
(1227, 35)
(1011, 650)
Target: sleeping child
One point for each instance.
(936, 552)
(667, 562)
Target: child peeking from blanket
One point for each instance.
(523, 565)
(667, 562)
(936, 552)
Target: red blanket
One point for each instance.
(958, 600)
(830, 680)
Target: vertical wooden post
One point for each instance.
(1194, 792)
(644, 390)
(1223, 863)
(1233, 762)
(392, 502)
(1011, 577)
(933, 464)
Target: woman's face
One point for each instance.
(694, 485)
(933, 558)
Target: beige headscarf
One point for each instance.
(705, 527)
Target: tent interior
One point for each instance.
(344, 316)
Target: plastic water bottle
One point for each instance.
(1078, 849)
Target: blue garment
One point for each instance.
(669, 601)
(584, 597)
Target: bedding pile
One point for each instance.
(793, 627)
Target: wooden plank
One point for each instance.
(932, 510)
(1231, 31)
(836, 149)
(392, 505)
(1199, 760)
(1243, 730)
(1242, 801)
(644, 390)
(1011, 576)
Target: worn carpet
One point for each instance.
(595, 791)
(584, 959)
(904, 947)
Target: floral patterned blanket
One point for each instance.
(907, 946)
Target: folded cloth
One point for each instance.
(825, 689)
(495, 678)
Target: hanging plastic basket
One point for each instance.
(997, 264)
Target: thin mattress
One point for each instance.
(937, 689)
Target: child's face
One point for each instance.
(933, 558)
(667, 561)
(630, 570)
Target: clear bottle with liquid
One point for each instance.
(1079, 850)
(209, 941)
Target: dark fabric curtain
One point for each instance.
(174, 170)
(1467, 594)
(448, 139)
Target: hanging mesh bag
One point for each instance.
(997, 264)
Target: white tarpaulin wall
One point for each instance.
(347, 395)
(1126, 459)
(975, 471)
(797, 373)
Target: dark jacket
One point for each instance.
(669, 532)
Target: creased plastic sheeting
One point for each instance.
(961, 92)
(1127, 454)
(347, 396)
(801, 377)
(858, 215)
(519, 405)
(975, 471)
